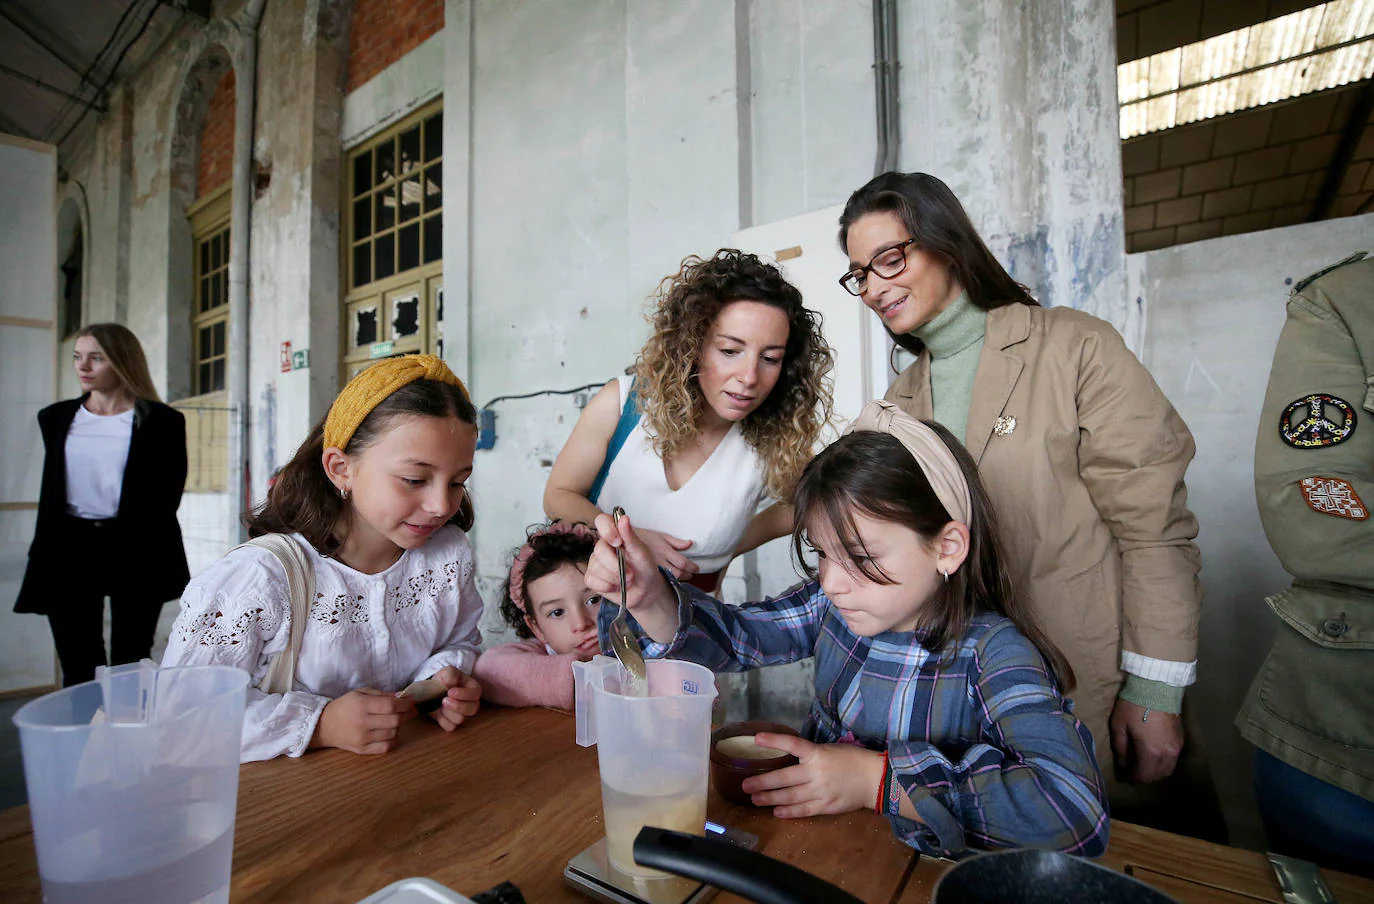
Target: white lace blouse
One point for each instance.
(381, 631)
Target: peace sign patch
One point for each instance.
(1317, 420)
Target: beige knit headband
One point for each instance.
(936, 460)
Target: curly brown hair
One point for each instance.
(784, 429)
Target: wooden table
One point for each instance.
(511, 797)
(1192, 871)
(508, 797)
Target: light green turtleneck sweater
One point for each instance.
(955, 340)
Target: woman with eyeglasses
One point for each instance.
(1083, 456)
(723, 411)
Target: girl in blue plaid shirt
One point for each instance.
(938, 702)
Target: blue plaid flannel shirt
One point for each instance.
(981, 740)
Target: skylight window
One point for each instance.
(1317, 48)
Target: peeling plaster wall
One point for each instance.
(623, 158)
(279, 276)
(1216, 308)
(1014, 106)
(102, 171)
(811, 104)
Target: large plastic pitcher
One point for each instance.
(654, 751)
(133, 781)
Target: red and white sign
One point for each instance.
(286, 357)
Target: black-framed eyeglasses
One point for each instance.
(886, 264)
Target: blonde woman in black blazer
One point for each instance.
(114, 468)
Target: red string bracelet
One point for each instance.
(882, 786)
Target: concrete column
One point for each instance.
(1014, 105)
(325, 41)
(458, 67)
(124, 204)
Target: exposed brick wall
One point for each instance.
(217, 138)
(383, 31)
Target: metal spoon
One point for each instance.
(623, 642)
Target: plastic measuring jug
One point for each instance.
(654, 751)
(133, 782)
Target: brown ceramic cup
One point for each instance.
(730, 769)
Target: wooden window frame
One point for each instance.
(422, 284)
(207, 411)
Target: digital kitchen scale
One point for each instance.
(592, 874)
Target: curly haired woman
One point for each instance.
(724, 409)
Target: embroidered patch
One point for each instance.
(1005, 425)
(1333, 496)
(1306, 425)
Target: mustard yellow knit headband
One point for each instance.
(368, 389)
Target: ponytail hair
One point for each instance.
(873, 474)
(304, 501)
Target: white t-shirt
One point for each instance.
(381, 631)
(713, 509)
(97, 450)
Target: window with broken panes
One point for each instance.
(210, 314)
(394, 258)
(396, 200)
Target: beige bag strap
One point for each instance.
(300, 582)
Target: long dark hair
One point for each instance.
(873, 474)
(304, 501)
(550, 551)
(937, 221)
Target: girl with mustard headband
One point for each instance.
(546, 601)
(938, 702)
(376, 500)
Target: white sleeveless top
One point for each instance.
(712, 509)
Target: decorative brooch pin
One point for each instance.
(1005, 426)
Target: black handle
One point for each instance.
(722, 864)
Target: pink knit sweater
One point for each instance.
(524, 674)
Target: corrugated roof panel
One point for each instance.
(1133, 81)
(1270, 61)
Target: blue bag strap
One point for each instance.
(629, 419)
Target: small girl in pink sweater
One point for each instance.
(546, 601)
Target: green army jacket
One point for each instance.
(1312, 702)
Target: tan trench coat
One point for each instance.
(1084, 458)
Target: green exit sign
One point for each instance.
(381, 349)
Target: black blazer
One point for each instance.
(145, 538)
